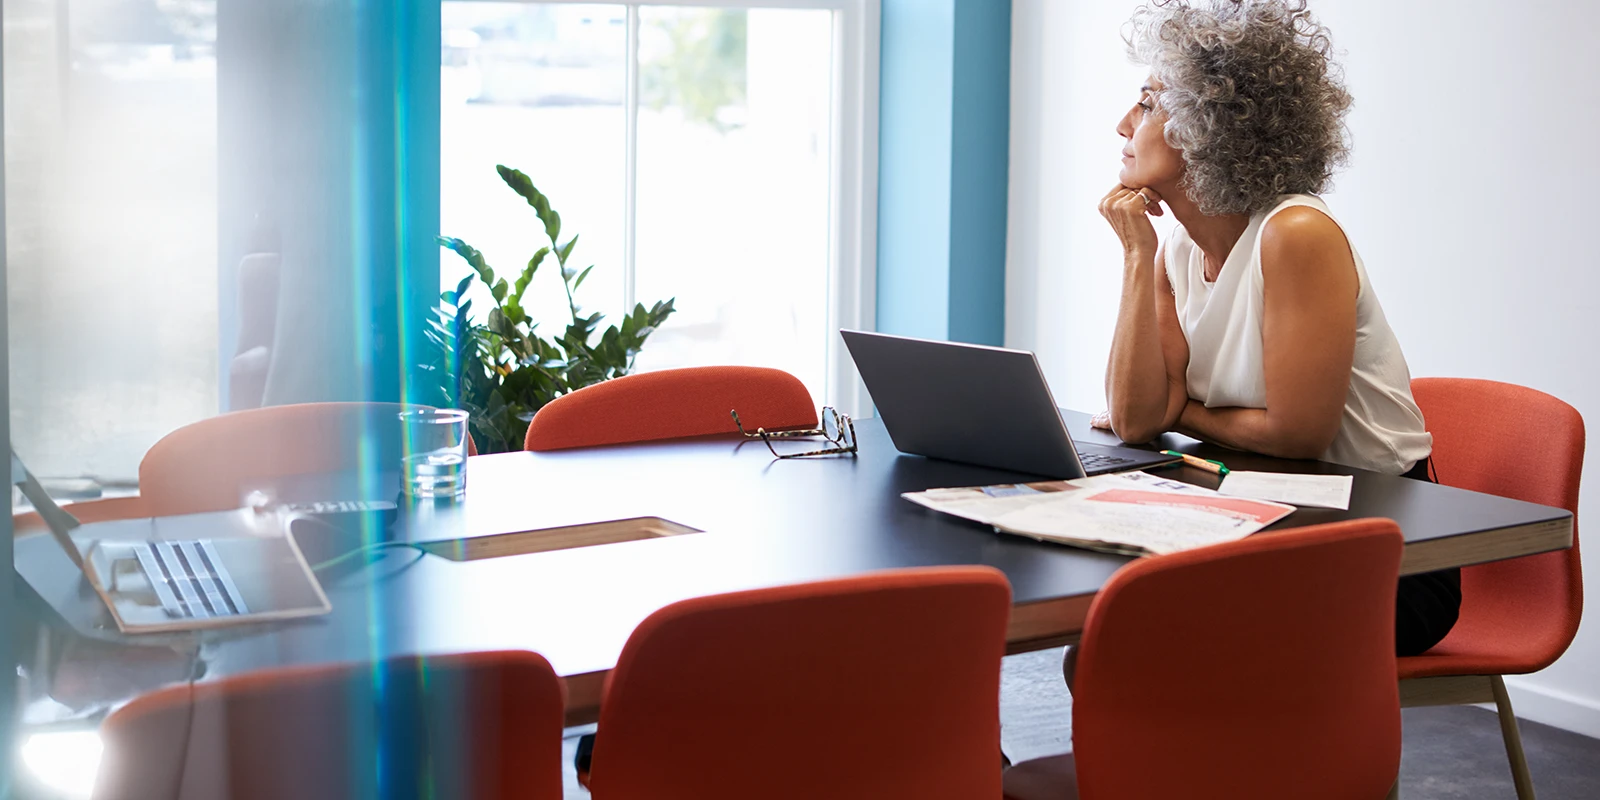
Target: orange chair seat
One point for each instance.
(1475, 646)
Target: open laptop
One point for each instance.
(176, 581)
(980, 405)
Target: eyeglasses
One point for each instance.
(837, 429)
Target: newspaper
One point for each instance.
(1132, 513)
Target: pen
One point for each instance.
(1200, 463)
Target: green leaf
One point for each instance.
(527, 272)
(471, 256)
(552, 225)
(502, 327)
(581, 276)
(565, 251)
(499, 290)
(520, 184)
(523, 186)
(611, 347)
(461, 288)
(660, 312)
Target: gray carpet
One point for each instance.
(1451, 753)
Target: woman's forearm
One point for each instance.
(1252, 429)
(1136, 374)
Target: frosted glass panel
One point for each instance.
(111, 228)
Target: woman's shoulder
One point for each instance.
(1300, 220)
(1301, 239)
(1296, 203)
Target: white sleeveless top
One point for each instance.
(1382, 427)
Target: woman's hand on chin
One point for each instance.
(1129, 211)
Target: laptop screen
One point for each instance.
(55, 517)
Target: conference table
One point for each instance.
(738, 519)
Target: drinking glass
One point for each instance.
(435, 452)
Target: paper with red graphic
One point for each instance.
(1134, 513)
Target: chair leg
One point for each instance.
(1508, 730)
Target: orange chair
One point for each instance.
(1517, 616)
(101, 510)
(878, 686)
(481, 725)
(210, 465)
(1255, 670)
(671, 404)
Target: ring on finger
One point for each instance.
(1144, 197)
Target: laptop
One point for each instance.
(978, 405)
(175, 580)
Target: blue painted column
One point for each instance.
(943, 155)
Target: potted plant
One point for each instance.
(499, 369)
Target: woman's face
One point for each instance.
(1147, 159)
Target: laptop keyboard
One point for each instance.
(1094, 461)
(189, 579)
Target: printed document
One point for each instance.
(1320, 491)
(1133, 513)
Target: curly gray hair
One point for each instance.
(1253, 98)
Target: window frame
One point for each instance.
(852, 276)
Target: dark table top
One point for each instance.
(765, 522)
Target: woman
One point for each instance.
(1253, 325)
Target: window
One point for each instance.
(720, 154)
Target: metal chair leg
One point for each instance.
(1513, 738)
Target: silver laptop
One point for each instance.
(979, 405)
(185, 582)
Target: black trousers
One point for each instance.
(1427, 605)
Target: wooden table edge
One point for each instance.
(1494, 544)
(1043, 624)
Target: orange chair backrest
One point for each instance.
(881, 686)
(101, 510)
(212, 464)
(1258, 669)
(1512, 441)
(670, 404)
(479, 725)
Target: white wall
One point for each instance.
(1476, 129)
